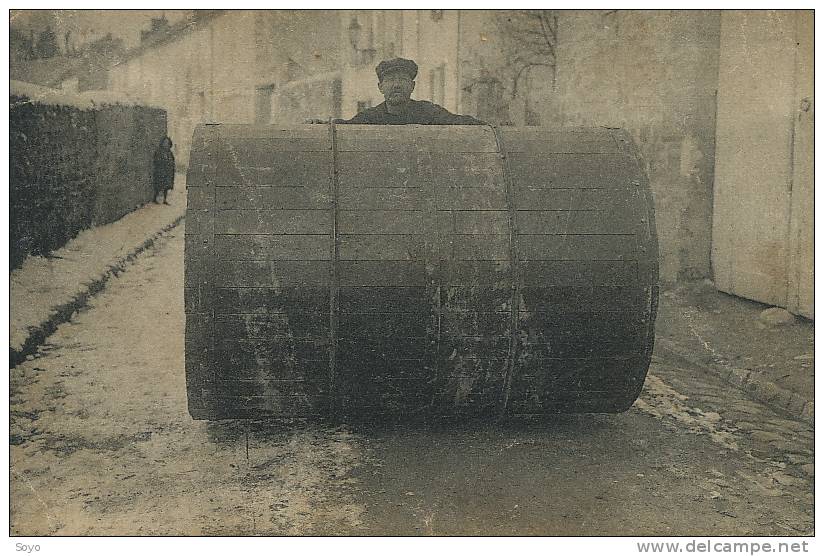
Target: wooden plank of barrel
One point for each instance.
(416, 270)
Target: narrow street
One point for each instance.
(102, 444)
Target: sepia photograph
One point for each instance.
(413, 272)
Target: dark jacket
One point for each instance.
(163, 175)
(416, 112)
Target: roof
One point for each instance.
(175, 32)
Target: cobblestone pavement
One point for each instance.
(102, 445)
(773, 361)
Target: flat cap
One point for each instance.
(397, 64)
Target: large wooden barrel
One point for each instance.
(367, 270)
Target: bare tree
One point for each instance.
(530, 40)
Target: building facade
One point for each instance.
(430, 37)
(654, 73)
(226, 66)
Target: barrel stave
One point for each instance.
(429, 274)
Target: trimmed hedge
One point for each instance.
(73, 168)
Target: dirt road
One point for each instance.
(102, 445)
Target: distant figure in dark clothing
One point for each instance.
(396, 81)
(163, 177)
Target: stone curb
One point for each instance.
(63, 313)
(765, 391)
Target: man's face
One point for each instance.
(396, 87)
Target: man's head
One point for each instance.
(396, 80)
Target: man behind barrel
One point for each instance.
(396, 81)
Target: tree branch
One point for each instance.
(547, 34)
(520, 73)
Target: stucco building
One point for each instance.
(669, 77)
(226, 66)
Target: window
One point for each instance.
(437, 84)
(263, 104)
(361, 38)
